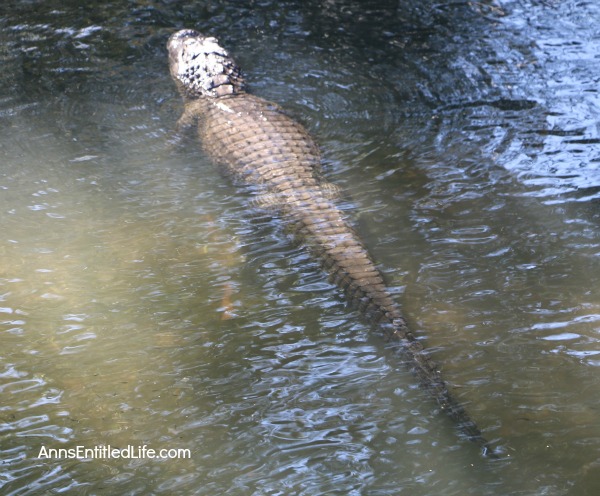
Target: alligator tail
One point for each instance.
(431, 380)
(323, 227)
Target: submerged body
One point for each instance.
(255, 141)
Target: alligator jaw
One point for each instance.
(201, 66)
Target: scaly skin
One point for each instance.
(255, 141)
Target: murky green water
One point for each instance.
(141, 305)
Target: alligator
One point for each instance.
(258, 144)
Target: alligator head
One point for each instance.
(201, 66)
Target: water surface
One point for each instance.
(141, 304)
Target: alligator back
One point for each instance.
(255, 141)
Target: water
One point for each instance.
(140, 303)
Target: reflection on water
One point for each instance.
(142, 304)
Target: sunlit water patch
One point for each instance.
(563, 161)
